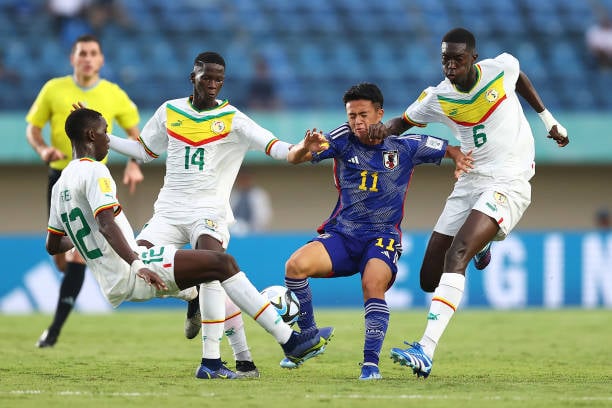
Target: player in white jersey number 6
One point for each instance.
(478, 101)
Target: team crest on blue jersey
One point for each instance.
(390, 159)
(217, 126)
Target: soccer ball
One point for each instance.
(285, 301)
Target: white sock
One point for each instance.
(242, 292)
(234, 330)
(212, 307)
(446, 299)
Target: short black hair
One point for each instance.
(85, 38)
(461, 36)
(79, 121)
(366, 91)
(209, 57)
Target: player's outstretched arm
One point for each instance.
(555, 130)
(132, 175)
(397, 126)
(130, 148)
(314, 141)
(379, 131)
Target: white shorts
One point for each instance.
(159, 259)
(503, 200)
(166, 231)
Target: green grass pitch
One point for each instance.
(527, 358)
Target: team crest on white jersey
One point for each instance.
(210, 224)
(500, 198)
(390, 159)
(491, 95)
(217, 126)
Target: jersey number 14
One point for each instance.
(195, 159)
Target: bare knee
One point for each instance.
(457, 257)
(296, 267)
(373, 290)
(229, 263)
(219, 266)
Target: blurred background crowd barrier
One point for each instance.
(536, 270)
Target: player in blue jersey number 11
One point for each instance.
(363, 234)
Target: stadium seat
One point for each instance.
(317, 47)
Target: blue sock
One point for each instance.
(301, 288)
(212, 363)
(291, 343)
(376, 323)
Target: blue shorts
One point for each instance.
(349, 255)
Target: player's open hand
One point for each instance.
(132, 175)
(464, 162)
(377, 132)
(559, 134)
(151, 278)
(315, 141)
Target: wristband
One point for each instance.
(549, 121)
(136, 266)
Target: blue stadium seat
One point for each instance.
(344, 60)
(162, 60)
(316, 48)
(531, 63)
(53, 60)
(576, 16)
(311, 62)
(488, 48)
(386, 61)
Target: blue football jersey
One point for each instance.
(372, 180)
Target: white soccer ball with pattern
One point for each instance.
(285, 301)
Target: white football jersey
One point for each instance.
(487, 119)
(205, 151)
(83, 190)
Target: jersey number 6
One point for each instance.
(480, 137)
